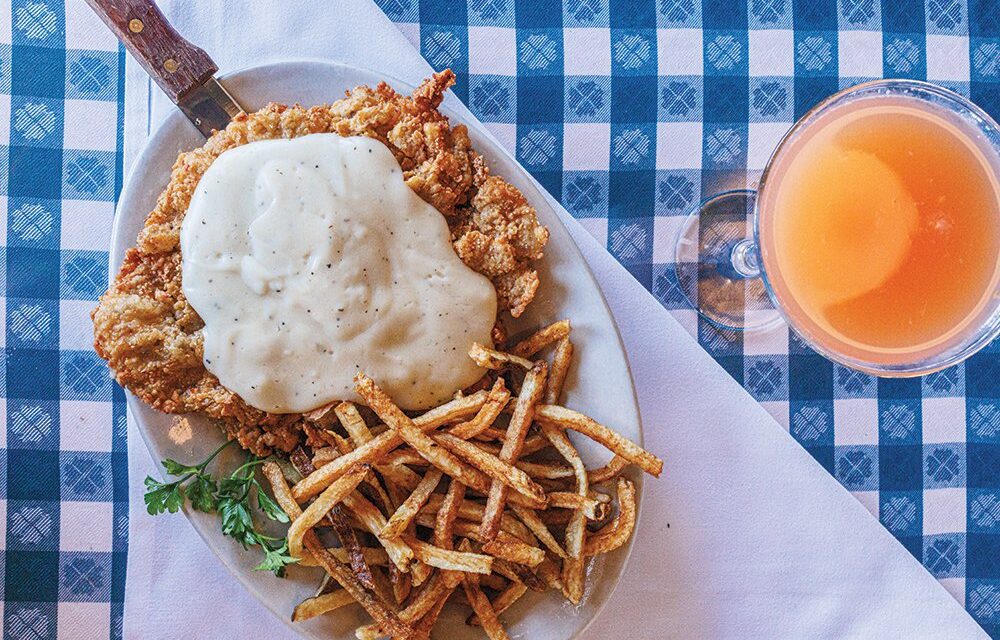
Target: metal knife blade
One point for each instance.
(209, 106)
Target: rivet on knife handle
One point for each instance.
(183, 71)
(177, 65)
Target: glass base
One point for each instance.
(718, 267)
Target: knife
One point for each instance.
(185, 72)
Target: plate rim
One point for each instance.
(131, 182)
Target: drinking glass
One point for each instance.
(722, 261)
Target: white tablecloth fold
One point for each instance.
(762, 542)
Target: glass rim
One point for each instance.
(985, 333)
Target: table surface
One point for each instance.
(629, 112)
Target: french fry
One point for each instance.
(353, 423)
(511, 549)
(402, 517)
(560, 368)
(493, 466)
(517, 430)
(324, 455)
(568, 419)
(393, 416)
(548, 572)
(573, 569)
(517, 573)
(419, 606)
(493, 581)
(356, 557)
(368, 515)
(532, 521)
(546, 470)
(614, 534)
(444, 521)
(490, 434)
(315, 512)
(373, 556)
(384, 443)
(491, 409)
(470, 512)
(481, 605)
(318, 605)
(425, 624)
(541, 339)
(492, 359)
(608, 471)
(593, 508)
(449, 559)
(386, 619)
(511, 594)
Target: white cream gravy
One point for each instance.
(310, 259)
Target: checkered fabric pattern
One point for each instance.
(632, 111)
(63, 482)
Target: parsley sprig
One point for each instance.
(231, 496)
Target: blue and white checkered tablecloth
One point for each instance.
(629, 112)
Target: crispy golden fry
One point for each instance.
(561, 361)
(493, 580)
(490, 434)
(470, 512)
(342, 444)
(315, 512)
(492, 359)
(444, 521)
(532, 521)
(401, 519)
(608, 471)
(573, 569)
(546, 470)
(510, 570)
(534, 443)
(511, 594)
(548, 572)
(497, 400)
(511, 549)
(568, 419)
(349, 541)
(594, 508)
(424, 626)
(373, 556)
(383, 443)
(353, 423)
(393, 416)
(541, 339)
(448, 559)
(419, 572)
(318, 605)
(398, 476)
(614, 534)
(481, 605)
(376, 608)
(517, 430)
(324, 456)
(492, 465)
(435, 588)
(368, 515)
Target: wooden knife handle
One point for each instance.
(177, 65)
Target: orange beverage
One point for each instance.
(879, 229)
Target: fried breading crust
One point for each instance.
(150, 335)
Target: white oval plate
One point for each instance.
(599, 384)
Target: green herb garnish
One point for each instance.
(230, 497)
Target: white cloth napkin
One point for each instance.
(745, 536)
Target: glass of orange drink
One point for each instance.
(874, 233)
